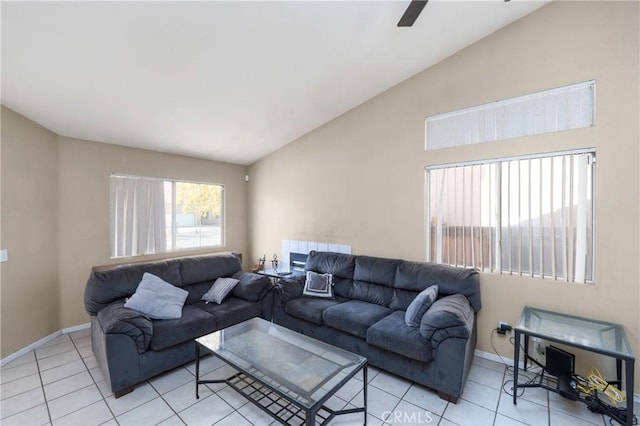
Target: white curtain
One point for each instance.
(563, 108)
(137, 216)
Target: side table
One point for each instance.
(600, 337)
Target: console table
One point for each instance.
(601, 337)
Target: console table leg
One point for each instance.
(629, 373)
(516, 356)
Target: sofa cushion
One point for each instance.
(372, 293)
(219, 290)
(354, 316)
(290, 288)
(310, 309)
(392, 334)
(337, 264)
(376, 270)
(416, 276)
(106, 286)
(198, 269)
(419, 306)
(157, 298)
(252, 287)
(194, 323)
(318, 285)
(232, 311)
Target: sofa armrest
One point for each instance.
(451, 316)
(290, 288)
(116, 319)
(252, 287)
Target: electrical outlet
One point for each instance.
(503, 327)
(4, 255)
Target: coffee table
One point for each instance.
(286, 374)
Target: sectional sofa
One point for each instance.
(367, 315)
(131, 348)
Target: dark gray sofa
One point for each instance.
(367, 316)
(131, 348)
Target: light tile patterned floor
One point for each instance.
(60, 383)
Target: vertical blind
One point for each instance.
(529, 215)
(554, 110)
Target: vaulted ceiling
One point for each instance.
(230, 81)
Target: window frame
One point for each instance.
(172, 240)
(495, 208)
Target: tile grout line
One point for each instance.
(94, 382)
(44, 395)
(167, 402)
(495, 412)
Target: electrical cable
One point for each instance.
(596, 382)
(509, 369)
(589, 386)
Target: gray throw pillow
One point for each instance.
(318, 285)
(419, 306)
(157, 299)
(219, 290)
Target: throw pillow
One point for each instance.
(157, 299)
(318, 285)
(219, 290)
(419, 306)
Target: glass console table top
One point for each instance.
(303, 368)
(604, 337)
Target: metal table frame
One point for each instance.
(244, 383)
(629, 360)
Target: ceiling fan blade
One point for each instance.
(412, 13)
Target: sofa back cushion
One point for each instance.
(373, 279)
(200, 272)
(338, 264)
(208, 268)
(341, 266)
(413, 277)
(391, 282)
(107, 286)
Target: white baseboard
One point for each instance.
(509, 362)
(75, 328)
(41, 342)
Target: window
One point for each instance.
(150, 215)
(554, 110)
(529, 216)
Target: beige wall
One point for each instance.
(55, 220)
(29, 308)
(359, 179)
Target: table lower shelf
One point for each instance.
(281, 409)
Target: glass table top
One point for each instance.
(605, 337)
(296, 365)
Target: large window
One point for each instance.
(529, 216)
(150, 215)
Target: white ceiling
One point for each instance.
(229, 81)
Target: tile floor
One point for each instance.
(60, 383)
